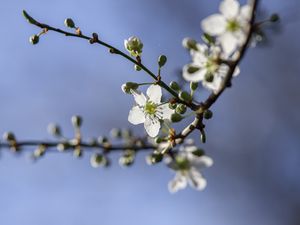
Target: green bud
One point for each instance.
(181, 108)
(189, 44)
(209, 77)
(134, 46)
(175, 117)
(9, 136)
(162, 60)
(69, 23)
(208, 39)
(137, 68)
(97, 160)
(154, 158)
(102, 140)
(175, 86)
(274, 18)
(128, 158)
(76, 121)
(172, 105)
(208, 114)
(199, 152)
(126, 133)
(129, 86)
(193, 86)
(192, 69)
(116, 133)
(54, 130)
(34, 39)
(62, 147)
(77, 152)
(184, 96)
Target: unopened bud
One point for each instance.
(69, 23)
(184, 96)
(175, 117)
(193, 86)
(134, 46)
(76, 121)
(208, 114)
(129, 86)
(175, 86)
(34, 39)
(189, 44)
(162, 60)
(181, 108)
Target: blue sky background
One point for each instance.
(253, 138)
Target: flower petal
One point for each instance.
(245, 12)
(179, 182)
(136, 115)
(196, 180)
(228, 42)
(139, 98)
(236, 71)
(194, 77)
(202, 162)
(152, 126)
(154, 93)
(230, 8)
(215, 85)
(165, 112)
(214, 25)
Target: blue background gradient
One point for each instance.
(254, 136)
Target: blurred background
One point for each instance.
(254, 136)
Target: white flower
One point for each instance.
(230, 27)
(206, 67)
(149, 110)
(134, 46)
(187, 165)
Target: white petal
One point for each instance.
(139, 98)
(154, 93)
(246, 12)
(215, 85)
(194, 77)
(228, 42)
(236, 71)
(196, 180)
(214, 24)
(136, 115)
(240, 37)
(165, 112)
(202, 162)
(179, 182)
(230, 8)
(152, 126)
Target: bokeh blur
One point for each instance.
(254, 136)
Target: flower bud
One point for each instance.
(9, 136)
(63, 146)
(128, 158)
(34, 39)
(184, 96)
(274, 18)
(116, 133)
(175, 117)
(129, 86)
(175, 86)
(69, 23)
(193, 86)
(162, 60)
(97, 160)
(54, 130)
(102, 140)
(77, 153)
(208, 114)
(154, 158)
(137, 68)
(181, 108)
(76, 121)
(172, 105)
(189, 44)
(134, 46)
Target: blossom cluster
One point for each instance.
(224, 33)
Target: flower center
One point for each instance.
(150, 108)
(233, 25)
(212, 65)
(182, 163)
